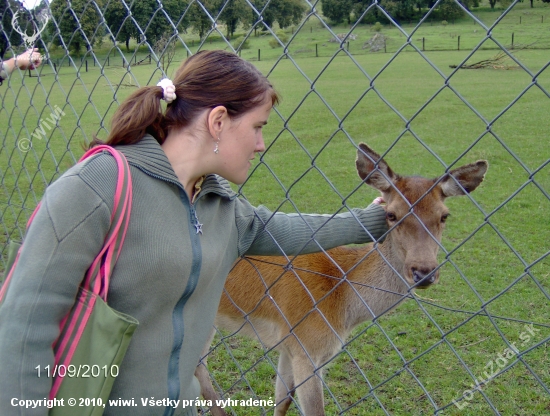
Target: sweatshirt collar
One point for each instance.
(148, 156)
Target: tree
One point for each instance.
(121, 27)
(146, 19)
(202, 20)
(284, 12)
(503, 3)
(337, 10)
(76, 23)
(398, 10)
(234, 13)
(449, 10)
(165, 48)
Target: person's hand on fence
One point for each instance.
(30, 59)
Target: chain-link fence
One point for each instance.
(430, 86)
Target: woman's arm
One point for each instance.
(61, 243)
(262, 232)
(29, 59)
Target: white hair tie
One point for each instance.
(168, 90)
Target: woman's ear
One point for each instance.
(216, 119)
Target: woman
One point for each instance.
(187, 228)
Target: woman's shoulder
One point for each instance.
(94, 177)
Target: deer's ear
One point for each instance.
(465, 178)
(373, 169)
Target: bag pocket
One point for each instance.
(96, 361)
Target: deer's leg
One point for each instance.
(310, 386)
(202, 374)
(284, 387)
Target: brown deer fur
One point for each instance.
(305, 307)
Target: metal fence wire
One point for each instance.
(428, 92)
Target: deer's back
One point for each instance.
(307, 299)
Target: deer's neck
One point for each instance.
(377, 283)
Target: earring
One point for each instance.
(217, 149)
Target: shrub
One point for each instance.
(274, 43)
(238, 43)
(282, 36)
(377, 27)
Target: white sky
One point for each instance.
(30, 4)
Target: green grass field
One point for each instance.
(426, 117)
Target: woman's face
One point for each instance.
(240, 142)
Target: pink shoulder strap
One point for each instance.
(96, 281)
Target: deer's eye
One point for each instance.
(390, 216)
(444, 217)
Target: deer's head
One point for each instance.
(416, 211)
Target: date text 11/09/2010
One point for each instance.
(81, 371)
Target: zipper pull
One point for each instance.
(198, 225)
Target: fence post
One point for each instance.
(258, 55)
(423, 44)
(512, 40)
(459, 42)
(316, 51)
(55, 67)
(86, 65)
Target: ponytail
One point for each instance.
(139, 114)
(205, 80)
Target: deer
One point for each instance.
(306, 307)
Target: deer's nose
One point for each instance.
(423, 277)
